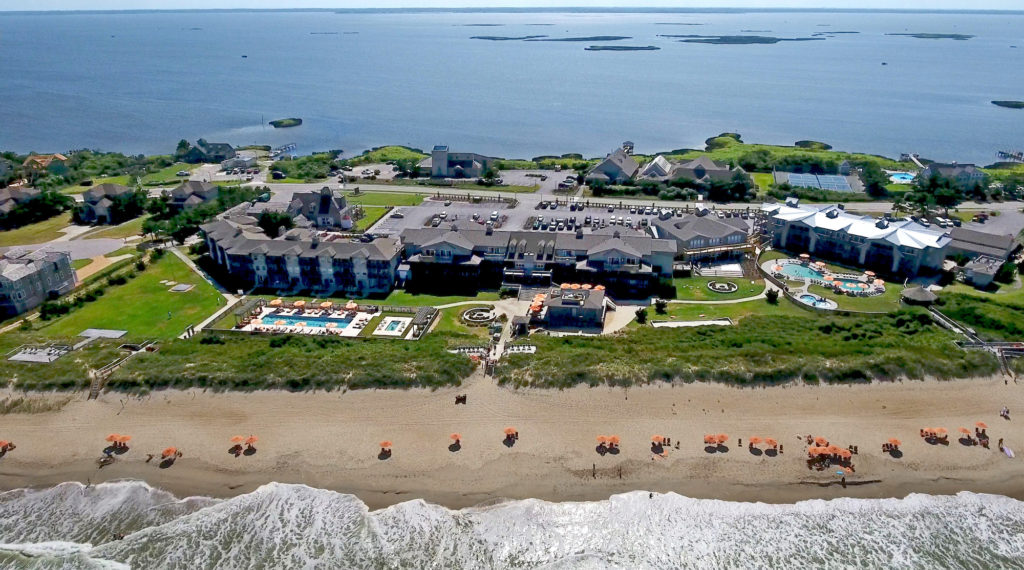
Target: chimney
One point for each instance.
(316, 240)
(455, 228)
(579, 233)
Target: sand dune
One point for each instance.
(330, 440)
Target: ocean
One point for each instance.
(295, 526)
(139, 82)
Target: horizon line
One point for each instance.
(527, 10)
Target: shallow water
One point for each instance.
(140, 82)
(293, 526)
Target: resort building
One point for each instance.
(43, 162)
(193, 193)
(242, 159)
(965, 175)
(616, 168)
(301, 259)
(980, 271)
(29, 278)
(443, 163)
(973, 243)
(208, 152)
(575, 308)
(704, 237)
(470, 259)
(99, 199)
(898, 247)
(322, 209)
(11, 197)
(702, 170)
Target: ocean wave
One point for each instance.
(296, 526)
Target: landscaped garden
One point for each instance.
(696, 288)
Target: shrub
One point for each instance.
(772, 296)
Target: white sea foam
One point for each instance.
(294, 526)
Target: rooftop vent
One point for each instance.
(489, 230)
(832, 214)
(616, 234)
(882, 224)
(579, 233)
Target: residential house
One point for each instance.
(974, 243)
(443, 163)
(99, 199)
(301, 260)
(898, 247)
(702, 170)
(208, 152)
(980, 271)
(616, 168)
(14, 195)
(574, 308)
(323, 209)
(29, 278)
(38, 163)
(964, 175)
(193, 193)
(704, 237)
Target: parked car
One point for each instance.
(397, 215)
(494, 216)
(182, 173)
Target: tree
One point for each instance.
(159, 206)
(772, 296)
(1007, 272)
(660, 306)
(183, 148)
(875, 180)
(273, 222)
(641, 315)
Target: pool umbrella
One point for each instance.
(599, 288)
(845, 453)
(251, 440)
(3, 444)
(755, 440)
(862, 285)
(829, 278)
(385, 444)
(112, 437)
(710, 438)
(879, 282)
(805, 256)
(721, 438)
(981, 425)
(869, 273)
(326, 305)
(820, 441)
(657, 439)
(614, 439)
(964, 431)
(575, 286)
(895, 442)
(602, 439)
(299, 303)
(257, 321)
(777, 268)
(302, 324)
(455, 437)
(238, 439)
(833, 449)
(169, 452)
(771, 442)
(351, 305)
(565, 285)
(587, 286)
(276, 303)
(510, 431)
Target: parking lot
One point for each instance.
(546, 180)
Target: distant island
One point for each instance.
(960, 37)
(584, 39)
(734, 40)
(285, 123)
(505, 38)
(622, 48)
(1010, 104)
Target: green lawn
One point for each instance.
(734, 311)
(696, 288)
(373, 213)
(764, 180)
(38, 232)
(126, 250)
(80, 263)
(142, 305)
(168, 175)
(387, 154)
(771, 255)
(297, 181)
(888, 301)
(402, 299)
(449, 323)
(385, 198)
(78, 189)
(127, 229)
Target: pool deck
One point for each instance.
(269, 315)
(770, 268)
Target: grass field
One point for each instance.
(80, 263)
(401, 298)
(38, 232)
(168, 175)
(995, 316)
(144, 307)
(764, 180)
(888, 301)
(373, 213)
(387, 154)
(385, 198)
(696, 288)
(121, 231)
(734, 311)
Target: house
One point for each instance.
(898, 247)
(208, 152)
(574, 308)
(980, 271)
(616, 168)
(242, 159)
(323, 209)
(193, 193)
(702, 170)
(301, 259)
(29, 278)
(37, 163)
(964, 175)
(974, 243)
(445, 164)
(14, 195)
(99, 199)
(704, 237)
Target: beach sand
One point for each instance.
(330, 440)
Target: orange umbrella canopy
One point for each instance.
(351, 305)
(755, 440)
(565, 285)
(455, 436)
(510, 430)
(777, 268)
(982, 425)
(385, 444)
(869, 273)
(587, 286)
(602, 439)
(845, 453)
(326, 305)
(614, 439)
(238, 439)
(657, 439)
(879, 282)
(299, 303)
(813, 450)
(710, 438)
(112, 437)
(599, 288)
(829, 278)
(965, 431)
(251, 440)
(820, 441)
(771, 442)
(276, 303)
(278, 323)
(722, 438)
(4, 443)
(895, 442)
(833, 449)
(169, 451)
(941, 431)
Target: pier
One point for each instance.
(282, 149)
(1011, 156)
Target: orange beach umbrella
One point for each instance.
(455, 436)
(965, 431)
(820, 441)
(565, 285)
(895, 442)
(981, 425)
(385, 444)
(657, 439)
(326, 305)
(4, 443)
(599, 288)
(805, 256)
(510, 431)
(351, 305)
(124, 438)
(112, 437)
(251, 440)
(587, 286)
(869, 273)
(721, 438)
(614, 439)
(276, 303)
(710, 438)
(771, 442)
(238, 439)
(169, 451)
(941, 431)
(755, 440)
(602, 439)
(829, 278)
(279, 323)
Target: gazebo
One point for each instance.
(918, 296)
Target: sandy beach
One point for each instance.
(330, 440)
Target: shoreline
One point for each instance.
(329, 441)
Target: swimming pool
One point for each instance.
(392, 326)
(311, 321)
(901, 177)
(801, 271)
(815, 301)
